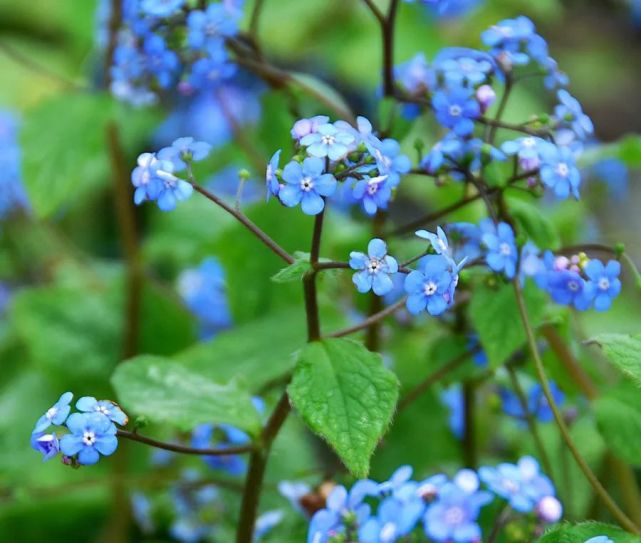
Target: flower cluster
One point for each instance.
(12, 193)
(92, 432)
(331, 153)
(445, 509)
(154, 177)
(537, 404)
(203, 291)
(154, 53)
(459, 87)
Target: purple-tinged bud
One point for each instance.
(47, 444)
(303, 127)
(549, 509)
(486, 96)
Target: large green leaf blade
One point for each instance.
(579, 533)
(166, 392)
(347, 396)
(494, 315)
(624, 351)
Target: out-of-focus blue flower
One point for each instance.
(161, 61)
(184, 151)
(456, 108)
(430, 287)
(141, 512)
(462, 66)
(306, 184)
(522, 485)
(393, 520)
(614, 173)
(47, 444)
(549, 509)
(604, 284)
(453, 515)
(213, 69)
(448, 8)
(206, 436)
(92, 434)
(465, 240)
(210, 25)
(109, 409)
(501, 247)
(569, 111)
(452, 398)
(527, 149)
(415, 76)
(146, 178)
(293, 491)
(57, 414)
(537, 403)
(375, 268)
(453, 154)
(328, 141)
(509, 40)
(161, 8)
(599, 539)
(12, 192)
(266, 522)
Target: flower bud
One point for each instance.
(549, 509)
(486, 96)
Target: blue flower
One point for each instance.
(430, 287)
(569, 111)
(206, 436)
(145, 178)
(304, 127)
(174, 190)
(614, 173)
(537, 403)
(161, 8)
(306, 185)
(604, 284)
(294, 491)
(92, 434)
(456, 108)
(501, 247)
(47, 444)
(415, 76)
(271, 179)
(567, 287)
(452, 398)
(214, 23)
(12, 192)
(453, 515)
(266, 522)
(508, 39)
(389, 160)
(393, 520)
(210, 71)
(373, 193)
(109, 409)
(56, 414)
(376, 267)
(328, 141)
(522, 485)
(527, 149)
(184, 151)
(203, 290)
(161, 61)
(462, 66)
(559, 171)
(141, 509)
(599, 539)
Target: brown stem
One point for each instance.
(469, 429)
(389, 310)
(388, 30)
(182, 449)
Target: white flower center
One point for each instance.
(328, 139)
(429, 288)
(604, 283)
(454, 516)
(89, 438)
(374, 266)
(455, 110)
(427, 491)
(529, 142)
(509, 486)
(51, 412)
(573, 286)
(102, 409)
(562, 169)
(505, 249)
(307, 184)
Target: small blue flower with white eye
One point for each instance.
(47, 444)
(145, 178)
(271, 179)
(174, 189)
(559, 171)
(92, 435)
(429, 288)
(109, 409)
(328, 141)
(373, 192)
(184, 151)
(569, 111)
(212, 24)
(375, 268)
(604, 284)
(456, 109)
(161, 8)
(501, 248)
(56, 414)
(306, 184)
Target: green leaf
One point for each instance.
(579, 533)
(618, 417)
(65, 155)
(347, 396)
(624, 351)
(294, 272)
(534, 222)
(168, 392)
(495, 316)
